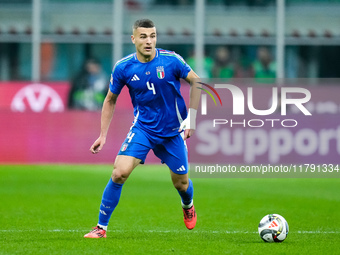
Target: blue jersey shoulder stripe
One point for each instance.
(122, 61)
(172, 54)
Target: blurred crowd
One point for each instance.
(222, 65)
(89, 87)
(144, 4)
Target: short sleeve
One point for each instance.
(182, 67)
(117, 80)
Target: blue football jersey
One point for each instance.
(154, 87)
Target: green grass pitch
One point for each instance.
(46, 209)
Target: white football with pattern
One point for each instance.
(273, 228)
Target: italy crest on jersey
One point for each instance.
(160, 72)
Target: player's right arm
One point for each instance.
(106, 117)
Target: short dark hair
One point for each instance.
(143, 23)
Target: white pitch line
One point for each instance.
(164, 231)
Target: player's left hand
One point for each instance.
(188, 130)
(188, 133)
(189, 124)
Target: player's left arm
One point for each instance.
(189, 124)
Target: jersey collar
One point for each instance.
(135, 55)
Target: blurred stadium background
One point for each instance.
(60, 34)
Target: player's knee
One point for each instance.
(119, 176)
(181, 185)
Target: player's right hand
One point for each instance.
(98, 145)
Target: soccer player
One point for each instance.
(160, 115)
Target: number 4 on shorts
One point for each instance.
(130, 136)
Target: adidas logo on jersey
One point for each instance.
(135, 78)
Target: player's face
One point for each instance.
(145, 41)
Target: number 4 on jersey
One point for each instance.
(151, 87)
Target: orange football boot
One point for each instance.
(190, 217)
(97, 232)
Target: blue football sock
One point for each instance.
(188, 194)
(110, 200)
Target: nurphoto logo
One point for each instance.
(281, 98)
